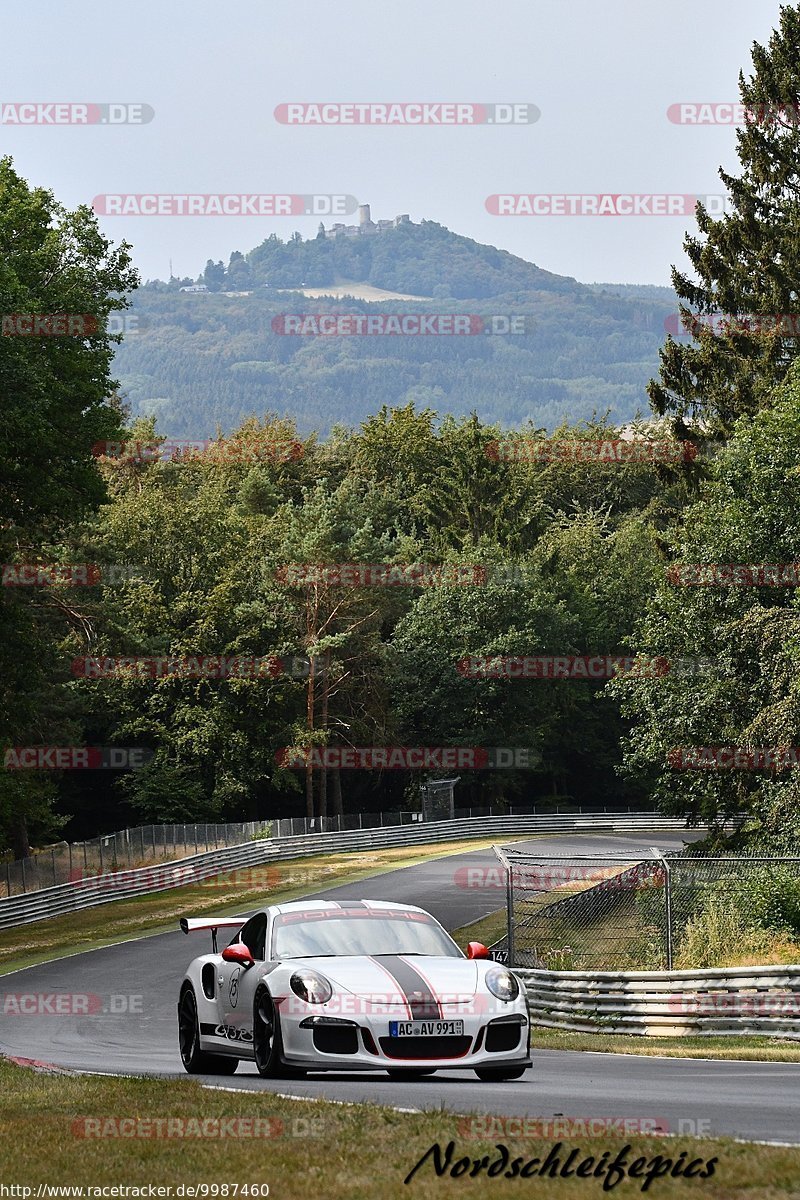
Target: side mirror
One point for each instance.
(238, 953)
(478, 950)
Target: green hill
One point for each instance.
(198, 360)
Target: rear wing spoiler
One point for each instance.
(193, 924)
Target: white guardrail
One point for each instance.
(122, 885)
(714, 1001)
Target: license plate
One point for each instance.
(426, 1028)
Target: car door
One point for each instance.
(235, 984)
(255, 931)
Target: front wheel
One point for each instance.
(195, 1060)
(268, 1040)
(497, 1074)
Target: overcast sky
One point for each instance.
(602, 74)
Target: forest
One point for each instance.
(576, 611)
(199, 362)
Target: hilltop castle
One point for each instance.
(365, 225)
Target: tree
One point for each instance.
(747, 637)
(394, 460)
(214, 276)
(195, 531)
(338, 627)
(240, 277)
(55, 390)
(57, 396)
(579, 592)
(746, 263)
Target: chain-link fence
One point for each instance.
(633, 912)
(146, 844)
(68, 861)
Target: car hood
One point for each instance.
(392, 978)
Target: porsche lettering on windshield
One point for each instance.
(319, 933)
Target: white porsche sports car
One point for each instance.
(361, 985)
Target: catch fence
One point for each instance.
(637, 911)
(145, 845)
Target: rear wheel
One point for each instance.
(408, 1073)
(497, 1074)
(195, 1060)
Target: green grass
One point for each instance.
(336, 1152)
(754, 1049)
(233, 892)
(621, 930)
(494, 925)
(489, 929)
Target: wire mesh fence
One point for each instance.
(634, 912)
(138, 847)
(146, 844)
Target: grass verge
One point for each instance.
(231, 892)
(753, 1049)
(489, 929)
(352, 1152)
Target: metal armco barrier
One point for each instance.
(122, 885)
(714, 1001)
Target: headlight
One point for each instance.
(502, 984)
(311, 987)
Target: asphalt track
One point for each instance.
(134, 1030)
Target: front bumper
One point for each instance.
(364, 1043)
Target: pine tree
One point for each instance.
(746, 263)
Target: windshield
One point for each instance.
(360, 931)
